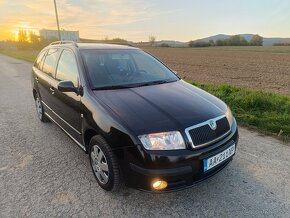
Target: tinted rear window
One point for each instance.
(39, 61)
(50, 61)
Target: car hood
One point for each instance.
(164, 107)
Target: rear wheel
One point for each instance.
(104, 164)
(39, 109)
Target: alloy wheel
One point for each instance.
(38, 106)
(99, 164)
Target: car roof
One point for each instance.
(83, 46)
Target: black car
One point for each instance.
(141, 125)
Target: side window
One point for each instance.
(67, 68)
(39, 61)
(50, 61)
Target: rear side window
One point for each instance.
(39, 61)
(50, 61)
(67, 68)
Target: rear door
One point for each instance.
(37, 69)
(46, 78)
(66, 105)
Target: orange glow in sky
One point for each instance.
(181, 20)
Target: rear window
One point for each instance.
(39, 61)
(50, 61)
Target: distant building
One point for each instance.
(64, 34)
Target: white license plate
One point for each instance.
(218, 158)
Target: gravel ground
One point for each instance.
(44, 174)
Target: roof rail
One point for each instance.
(64, 42)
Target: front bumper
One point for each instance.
(177, 179)
(181, 169)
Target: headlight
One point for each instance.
(163, 141)
(229, 116)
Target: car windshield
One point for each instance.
(113, 69)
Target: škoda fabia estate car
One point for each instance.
(140, 124)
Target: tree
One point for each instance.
(219, 42)
(199, 44)
(118, 41)
(34, 39)
(22, 36)
(164, 45)
(256, 40)
(211, 42)
(23, 40)
(236, 40)
(106, 38)
(152, 39)
(191, 43)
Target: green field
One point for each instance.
(27, 55)
(266, 111)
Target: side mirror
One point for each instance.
(67, 86)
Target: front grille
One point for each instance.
(203, 134)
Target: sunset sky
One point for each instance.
(135, 20)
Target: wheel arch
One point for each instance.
(88, 135)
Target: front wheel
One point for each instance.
(104, 164)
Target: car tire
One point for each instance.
(39, 109)
(104, 164)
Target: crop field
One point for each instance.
(261, 68)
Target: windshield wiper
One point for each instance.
(155, 83)
(114, 87)
(133, 85)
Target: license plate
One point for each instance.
(218, 158)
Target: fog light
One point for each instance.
(159, 185)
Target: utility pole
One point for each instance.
(56, 15)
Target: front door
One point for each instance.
(67, 105)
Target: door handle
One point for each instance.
(52, 90)
(36, 79)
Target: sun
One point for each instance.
(26, 26)
(15, 35)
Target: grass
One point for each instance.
(268, 112)
(26, 55)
